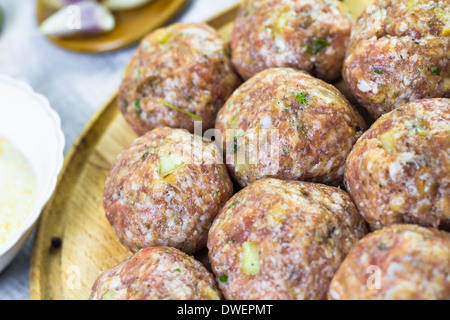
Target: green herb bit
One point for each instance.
(302, 129)
(137, 107)
(382, 246)
(235, 146)
(316, 46)
(216, 193)
(301, 98)
(286, 150)
(223, 278)
(377, 71)
(177, 270)
(178, 109)
(239, 135)
(435, 70)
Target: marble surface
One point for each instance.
(75, 84)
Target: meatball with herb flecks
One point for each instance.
(399, 262)
(165, 190)
(178, 75)
(280, 239)
(158, 273)
(399, 170)
(399, 52)
(283, 123)
(310, 35)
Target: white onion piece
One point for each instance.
(85, 18)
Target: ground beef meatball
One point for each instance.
(165, 190)
(399, 170)
(280, 239)
(399, 52)
(303, 34)
(183, 67)
(285, 124)
(399, 262)
(158, 273)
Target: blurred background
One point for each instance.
(76, 84)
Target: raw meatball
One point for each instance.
(303, 34)
(158, 273)
(165, 190)
(285, 124)
(399, 170)
(399, 52)
(185, 67)
(399, 262)
(282, 240)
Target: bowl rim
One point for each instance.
(38, 206)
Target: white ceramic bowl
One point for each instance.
(34, 128)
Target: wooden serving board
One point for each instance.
(74, 241)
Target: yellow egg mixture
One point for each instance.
(17, 190)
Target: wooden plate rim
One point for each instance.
(82, 144)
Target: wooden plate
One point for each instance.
(131, 26)
(74, 242)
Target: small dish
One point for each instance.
(34, 128)
(131, 26)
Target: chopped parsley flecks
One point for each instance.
(227, 53)
(377, 71)
(223, 278)
(315, 46)
(178, 270)
(235, 146)
(301, 98)
(302, 129)
(382, 246)
(137, 107)
(435, 70)
(285, 150)
(216, 193)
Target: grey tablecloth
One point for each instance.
(75, 84)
